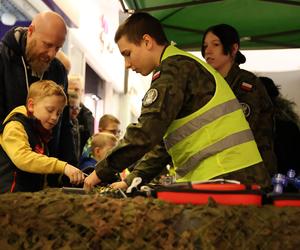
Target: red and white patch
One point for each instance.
(155, 75)
(246, 86)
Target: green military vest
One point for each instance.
(214, 140)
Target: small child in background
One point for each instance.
(23, 141)
(108, 124)
(101, 143)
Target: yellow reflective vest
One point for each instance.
(214, 140)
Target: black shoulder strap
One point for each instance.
(28, 126)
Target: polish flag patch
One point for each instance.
(155, 75)
(246, 86)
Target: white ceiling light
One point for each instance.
(8, 18)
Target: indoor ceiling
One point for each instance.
(21, 10)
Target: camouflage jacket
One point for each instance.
(179, 87)
(258, 109)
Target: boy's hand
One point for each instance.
(75, 175)
(119, 184)
(91, 181)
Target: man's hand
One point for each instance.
(91, 181)
(75, 175)
(119, 185)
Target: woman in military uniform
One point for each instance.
(220, 48)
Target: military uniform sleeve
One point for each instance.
(161, 105)
(15, 144)
(266, 107)
(258, 109)
(259, 112)
(253, 97)
(150, 165)
(262, 125)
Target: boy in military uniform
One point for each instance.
(189, 116)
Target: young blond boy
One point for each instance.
(101, 143)
(108, 124)
(23, 141)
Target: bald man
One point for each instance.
(27, 54)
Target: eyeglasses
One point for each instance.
(76, 108)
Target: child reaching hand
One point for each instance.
(24, 135)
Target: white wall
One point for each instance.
(282, 66)
(98, 22)
(289, 83)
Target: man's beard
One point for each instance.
(33, 59)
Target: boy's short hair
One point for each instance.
(77, 79)
(102, 139)
(139, 24)
(43, 88)
(106, 119)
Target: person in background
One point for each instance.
(24, 136)
(287, 133)
(74, 104)
(101, 143)
(85, 116)
(220, 48)
(189, 115)
(27, 54)
(108, 124)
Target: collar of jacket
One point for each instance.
(233, 72)
(15, 39)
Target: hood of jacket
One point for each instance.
(13, 38)
(45, 134)
(18, 110)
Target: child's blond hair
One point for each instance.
(102, 139)
(106, 119)
(77, 80)
(43, 88)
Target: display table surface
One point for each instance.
(51, 219)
